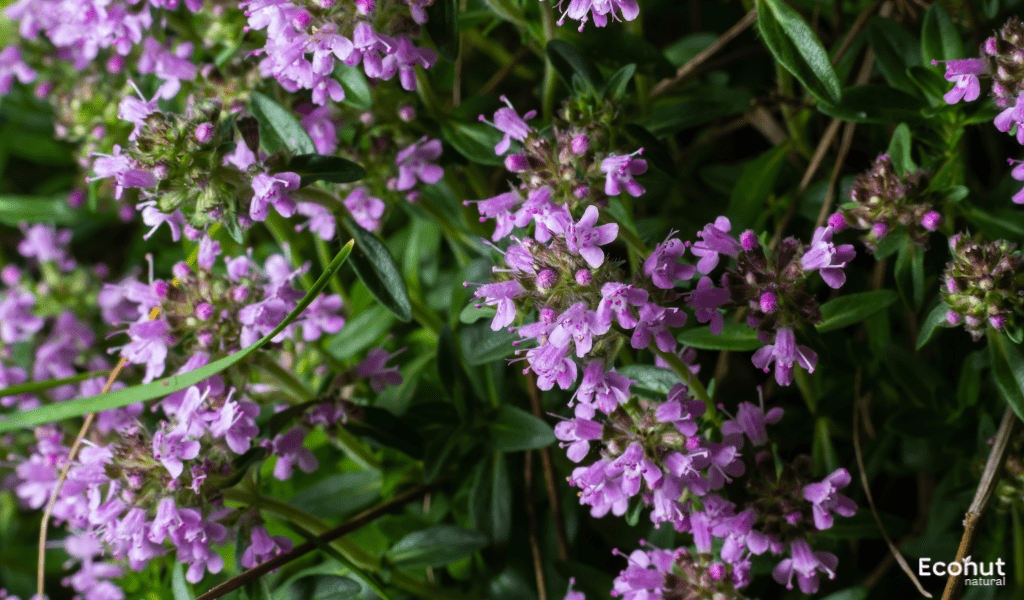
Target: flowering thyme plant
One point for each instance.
(509, 299)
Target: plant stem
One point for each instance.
(547, 16)
(325, 259)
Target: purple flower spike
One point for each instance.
(417, 162)
(584, 238)
(271, 189)
(507, 121)
(579, 432)
(784, 353)
(619, 172)
(826, 498)
(828, 259)
(805, 565)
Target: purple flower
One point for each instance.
(11, 68)
(208, 252)
(634, 465)
(136, 110)
(407, 56)
(374, 367)
(321, 221)
(416, 162)
(169, 66)
(715, 240)
(599, 490)
(120, 167)
(1011, 116)
(739, 535)
(725, 461)
(551, 365)
(271, 189)
(261, 318)
(578, 324)
(148, 347)
(644, 578)
(508, 122)
(600, 9)
(826, 498)
(829, 260)
(661, 265)
(752, 421)
(679, 411)
(236, 423)
(263, 547)
(501, 295)
(365, 209)
(606, 389)
(616, 298)
(655, 320)
(619, 172)
(321, 128)
(321, 317)
(47, 244)
(805, 564)
(548, 217)
(171, 450)
(965, 74)
(784, 353)
(500, 209)
(154, 218)
(579, 432)
(17, 323)
(583, 238)
(290, 451)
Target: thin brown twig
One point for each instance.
(871, 501)
(531, 523)
(344, 529)
(982, 498)
(668, 83)
(554, 497)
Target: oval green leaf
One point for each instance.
(798, 49)
(279, 126)
(736, 337)
(435, 547)
(513, 429)
(319, 167)
(377, 269)
(853, 308)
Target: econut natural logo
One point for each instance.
(976, 573)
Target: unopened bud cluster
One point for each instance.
(983, 286)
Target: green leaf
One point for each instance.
(569, 62)
(54, 209)
(895, 50)
(279, 126)
(435, 547)
(755, 185)
(736, 337)
(899, 150)
(357, 88)
(910, 274)
(377, 269)
(179, 587)
(707, 104)
(616, 86)
(157, 389)
(650, 378)
(471, 314)
(507, 9)
(38, 386)
(480, 345)
(852, 593)
(318, 587)
(337, 494)
(318, 167)
(475, 141)
(875, 104)
(798, 49)
(939, 38)
(490, 499)
(513, 429)
(443, 27)
(1008, 369)
(932, 323)
(853, 308)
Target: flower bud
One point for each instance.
(748, 239)
(10, 275)
(204, 133)
(546, 279)
(837, 222)
(931, 220)
(580, 144)
(365, 7)
(240, 293)
(879, 230)
(204, 311)
(584, 277)
(76, 198)
(301, 20)
(180, 270)
(407, 114)
(769, 303)
(367, 119)
(516, 163)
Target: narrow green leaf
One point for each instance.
(490, 499)
(471, 314)
(909, 273)
(475, 141)
(798, 49)
(507, 9)
(435, 547)
(443, 27)
(939, 38)
(179, 587)
(174, 383)
(875, 103)
(513, 429)
(895, 50)
(932, 323)
(853, 308)
(755, 185)
(319, 167)
(37, 209)
(1008, 369)
(318, 587)
(38, 386)
(899, 150)
(357, 88)
(480, 345)
(616, 86)
(568, 62)
(378, 271)
(338, 494)
(736, 337)
(279, 126)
